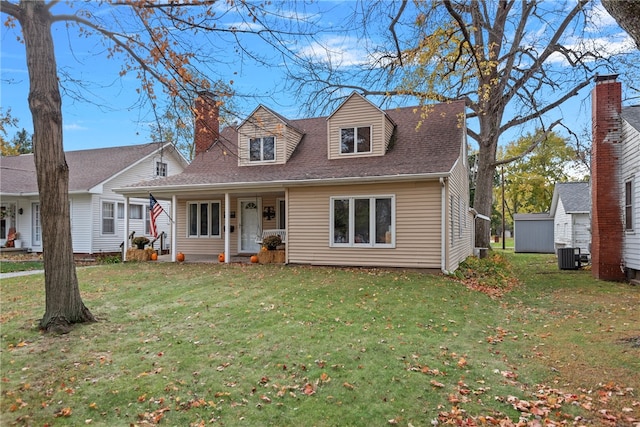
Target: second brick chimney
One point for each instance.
(207, 121)
(606, 212)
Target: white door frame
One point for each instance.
(255, 247)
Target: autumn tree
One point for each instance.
(21, 143)
(160, 44)
(529, 180)
(513, 62)
(6, 121)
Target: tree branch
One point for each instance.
(392, 28)
(537, 113)
(10, 9)
(536, 141)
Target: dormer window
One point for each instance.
(262, 149)
(355, 140)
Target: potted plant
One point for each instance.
(272, 242)
(140, 242)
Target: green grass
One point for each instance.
(200, 344)
(11, 266)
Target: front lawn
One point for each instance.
(211, 344)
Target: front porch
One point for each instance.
(209, 259)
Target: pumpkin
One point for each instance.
(154, 256)
(254, 258)
(221, 257)
(180, 257)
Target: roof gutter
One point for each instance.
(279, 184)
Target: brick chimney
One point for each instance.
(606, 212)
(207, 123)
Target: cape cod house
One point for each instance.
(97, 213)
(615, 183)
(361, 187)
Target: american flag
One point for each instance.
(154, 210)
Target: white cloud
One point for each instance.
(337, 51)
(601, 18)
(74, 127)
(604, 46)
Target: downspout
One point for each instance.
(125, 246)
(227, 227)
(443, 222)
(174, 227)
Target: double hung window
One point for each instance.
(108, 218)
(628, 205)
(355, 140)
(262, 149)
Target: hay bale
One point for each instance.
(271, 257)
(134, 254)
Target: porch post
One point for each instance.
(174, 227)
(227, 226)
(125, 245)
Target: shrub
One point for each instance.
(272, 242)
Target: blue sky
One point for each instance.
(113, 116)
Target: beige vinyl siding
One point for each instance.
(293, 137)
(200, 245)
(459, 242)
(358, 112)
(215, 245)
(417, 207)
(264, 123)
(388, 132)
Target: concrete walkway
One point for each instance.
(20, 273)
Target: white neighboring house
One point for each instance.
(97, 213)
(630, 174)
(571, 212)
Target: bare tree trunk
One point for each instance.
(483, 196)
(64, 305)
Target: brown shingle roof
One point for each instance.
(87, 168)
(431, 148)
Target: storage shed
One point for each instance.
(534, 233)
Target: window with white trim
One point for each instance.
(161, 169)
(363, 221)
(36, 238)
(147, 220)
(355, 140)
(135, 211)
(628, 205)
(120, 210)
(262, 149)
(108, 218)
(203, 219)
(281, 214)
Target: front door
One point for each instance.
(250, 224)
